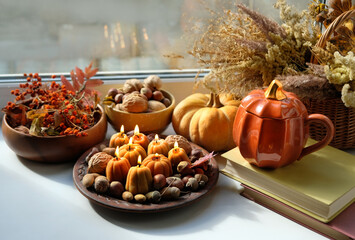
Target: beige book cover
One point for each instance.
(321, 184)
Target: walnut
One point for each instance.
(183, 142)
(153, 82)
(134, 103)
(98, 162)
(132, 85)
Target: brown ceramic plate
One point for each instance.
(79, 171)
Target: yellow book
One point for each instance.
(321, 184)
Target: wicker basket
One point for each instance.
(342, 117)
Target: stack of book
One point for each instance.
(318, 191)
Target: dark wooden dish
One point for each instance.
(53, 149)
(79, 171)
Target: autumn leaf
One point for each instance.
(36, 113)
(93, 83)
(35, 128)
(89, 73)
(75, 81)
(87, 69)
(82, 82)
(203, 161)
(67, 84)
(57, 119)
(80, 75)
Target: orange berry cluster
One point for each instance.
(65, 114)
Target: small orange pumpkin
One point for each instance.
(117, 169)
(206, 120)
(139, 180)
(158, 164)
(132, 152)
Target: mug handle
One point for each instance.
(325, 121)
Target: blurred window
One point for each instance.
(116, 35)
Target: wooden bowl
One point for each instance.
(53, 149)
(105, 200)
(155, 122)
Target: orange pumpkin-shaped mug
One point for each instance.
(271, 127)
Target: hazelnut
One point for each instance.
(196, 153)
(158, 95)
(116, 189)
(192, 184)
(175, 182)
(201, 177)
(201, 184)
(127, 196)
(159, 181)
(101, 184)
(140, 198)
(170, 193)
(118, 98)
(88, 179)
(184, 168)
(153, 197)
(112, 92)
(166, 102)
(185, 179)
(147, 92)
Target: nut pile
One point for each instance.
(185, 178)
(138, 97)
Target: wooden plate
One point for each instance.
(79, 171)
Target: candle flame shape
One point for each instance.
(176, 145)
(122, 129)
(117, 152)
(139, 161)
(136, 130)
(156, 137)
(130, 140)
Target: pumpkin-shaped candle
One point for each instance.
(158, 146)
(176, 155)
(131, 151)
(139, 179)
(140, 138)
(158, 164)
(117, 168)
(119, 139)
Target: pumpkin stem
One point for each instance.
(274, 91)
(210, 102)
(214, 101)
(217, 103)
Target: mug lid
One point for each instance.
(273, 102)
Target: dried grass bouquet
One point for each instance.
(245, 50)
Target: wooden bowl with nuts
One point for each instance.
(143, 104)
